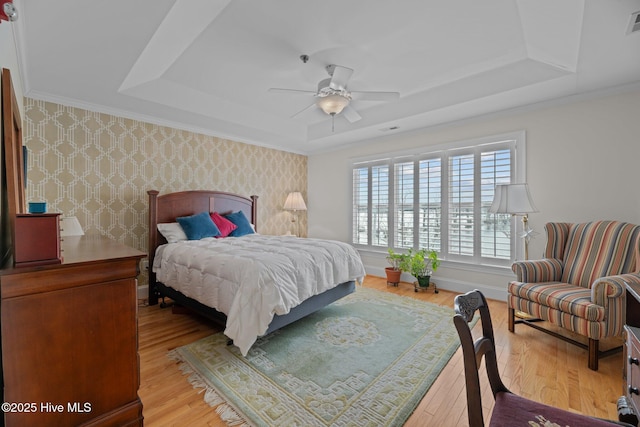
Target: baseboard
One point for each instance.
(490, 292)
(143, 292)
(454, 285)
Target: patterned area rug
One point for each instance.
(366, 360)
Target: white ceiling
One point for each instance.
(207, 65)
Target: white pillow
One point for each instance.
(172, 231)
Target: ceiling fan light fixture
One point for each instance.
(332, 104)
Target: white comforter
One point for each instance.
(254, 277)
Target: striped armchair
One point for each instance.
(579, 285)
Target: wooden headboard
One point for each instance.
(168, 207)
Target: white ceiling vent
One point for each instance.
(634, 23)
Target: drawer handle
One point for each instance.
(634, 361)
(634, 390)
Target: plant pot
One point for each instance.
(393, 276)
(423, 281)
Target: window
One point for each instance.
(403, 221)
(371, 205)
(439, 200)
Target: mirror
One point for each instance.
(14, 199)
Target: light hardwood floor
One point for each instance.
(532, 364)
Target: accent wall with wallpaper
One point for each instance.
(98, 167)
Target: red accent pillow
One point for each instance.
(224, 225)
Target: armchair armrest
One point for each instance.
(541, 270)
(609, 287)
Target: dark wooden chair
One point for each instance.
(509, 409)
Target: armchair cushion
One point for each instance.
(563, 297)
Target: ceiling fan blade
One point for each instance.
(281, 90)
(375, 96)
(305, 109)
(340, 77)
(350, 114)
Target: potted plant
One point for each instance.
(421, 265)
(394, 271)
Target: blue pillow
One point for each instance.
(241, 221)
(198, 226)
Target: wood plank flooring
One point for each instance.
(532, 364)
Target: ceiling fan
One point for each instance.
(334, 98)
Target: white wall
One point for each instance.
(9, 58)
(583, 162)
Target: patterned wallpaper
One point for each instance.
(98, 167)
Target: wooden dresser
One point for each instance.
(70, 338)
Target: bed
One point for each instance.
(248, 305)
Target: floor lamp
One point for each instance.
(295, 203)
(515, 199)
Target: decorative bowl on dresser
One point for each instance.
(70, 337)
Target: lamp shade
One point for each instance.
(70, 226)
(295, 202)
(513, 199)
(332, 104)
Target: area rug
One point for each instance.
(366, 360)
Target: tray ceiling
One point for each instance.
(207, 65)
